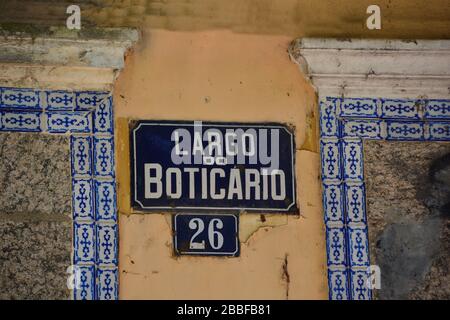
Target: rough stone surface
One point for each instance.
(34, 256)
(408, 204)
(35, 209)
(34, 173)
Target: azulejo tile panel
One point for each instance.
(400, 109)
(84, 283)
(437, 109)
(333, 202)
(337, 255)
(358, 107)
(73, 122)
(104, 157)
(338, 285)
(22, 121)
(107, 285)
(88, 118)
(344, 123)
(24, 99)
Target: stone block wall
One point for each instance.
(35, 216)
(408, 209)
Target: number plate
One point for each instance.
(206, 234)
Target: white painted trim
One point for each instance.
(64, 60)
(373, 68)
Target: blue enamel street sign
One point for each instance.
(212, 166)
(206, 234)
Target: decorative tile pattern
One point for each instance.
(358, 108)
(336, 247)
(88, 118)
(355, 202)
(437, 109)
(361, 128)
(353, 159)
(20, 121)
(19, 99)
(85, 283)
(399, 109)
(397, 130)
(60, 100)
(439, 131)
(107, 286)
(89, 100)
(103, 118)
(359, 287)
(105, 200)
(331, 159)
(84, 242)
(333, 203)
(359, 246)
(328, 120)
(82, 199)
(344, 122)
(104, 157)
(62, 122)
(81, 155)
(338, 289)
(106, 244)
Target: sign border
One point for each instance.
(135, 125)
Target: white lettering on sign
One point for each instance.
(215, 238)
(256, 184)
(236, 146)
(212, 147)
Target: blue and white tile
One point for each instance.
(352, 151)
(107, 244)
(103, 117)
(84, 288)
(359, 285)
(439, 131)
(404, 130)
(358, 107)
(368, 129)
(328, 120)
(74, 122)
(105, 200)
(333, 203)
(22, 121)
(331, 159)
(355, 202)
(107, 286)
(84, 242)
(338, 285)
(336, 246)
(400, 109)
(81, 155)
(358, 246)
(437, 109)
(20, 99)
(89, 100)
(82, 199)
(60, 100)
(104, 157)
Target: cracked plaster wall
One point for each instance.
(221, 76)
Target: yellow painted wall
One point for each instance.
(221, 76)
